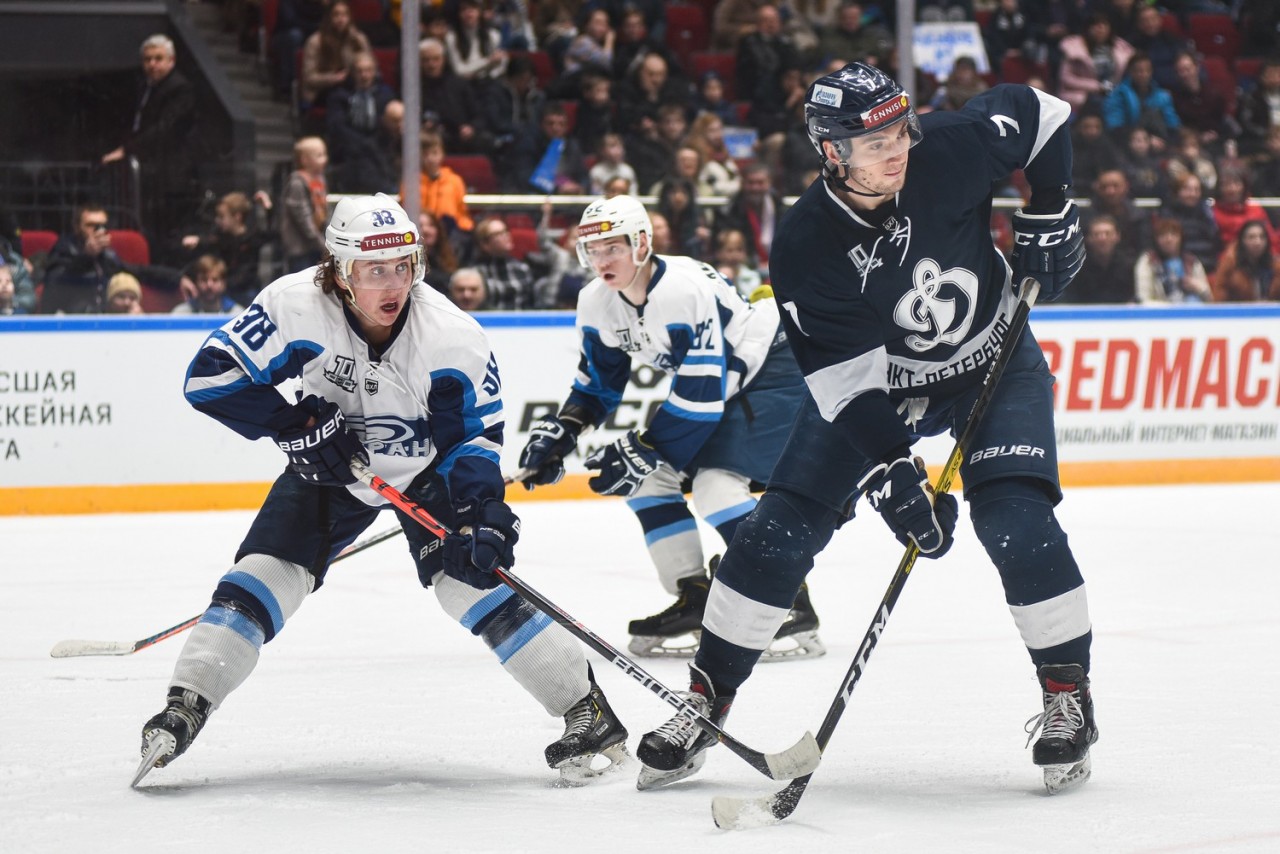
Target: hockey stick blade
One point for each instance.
(801, 758)
(78, 648)
(160, 744)
(739, 813)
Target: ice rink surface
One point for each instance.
(375, 724)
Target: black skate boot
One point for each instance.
(660, 635)
(797, 637)
(590, 728)
(168, 735)
(1066, 727)
(678, 748)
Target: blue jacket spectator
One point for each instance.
(1138, 101)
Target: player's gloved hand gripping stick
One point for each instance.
(736, 813)
(801, 758)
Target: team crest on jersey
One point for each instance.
(341, 372)
(940, 306)
(395, 437)
(371, 385)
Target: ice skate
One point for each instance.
(1066, 727)
(167, 735)
(798, 635)
(677, 630)
(678, 748)
(590, 729)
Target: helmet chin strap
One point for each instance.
(838, 179)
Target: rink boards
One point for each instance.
(92, 417)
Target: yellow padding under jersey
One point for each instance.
(144, 498)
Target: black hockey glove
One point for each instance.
(897, 491)
(322, 453)
(622, 465)
(550, 441)
(485, 540)
(1049, 248)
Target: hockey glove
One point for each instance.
(622, 465)
(322, 453)
(897, 492)
(550, 441)
(1049, 248)
(485, 541)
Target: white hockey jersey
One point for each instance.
(433, 397)
(693, 326)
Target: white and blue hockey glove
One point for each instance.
(897, 491)
(322, 453)
(485, 540)
(1049, 248)
(550, 441)
(622, 465)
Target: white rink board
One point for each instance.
(98, 400)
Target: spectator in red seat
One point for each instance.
(124, 295)
(756, 212)
(513, 107)
(1201, 108)
(1198, 230)
(962, 84)
(441, 259)
(237, 238)
(1149, 37)
(441, 189)
(1011, 33)
(634, 42)
(611, 163)
(853, 39)
(474, 47)
(304, 209)
(81, 265)
(1170, 273)
(1092, 64)
(1249, 269)
(7, 304)
(1139, 101)
(354, 131)
(210, 275)
(710, 99)
(509, 280)
(592, 49)
(649, 88)
(328, 52)
(551, 161)
(719, 175)
(597, 112)
(1232, 208)
(449, 106)
(764, 58)
(1092, 150)
(1107, 274)
(732, 21)
(1259, 110)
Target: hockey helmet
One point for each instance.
(621, 216)
(857, 101)
(372, 228)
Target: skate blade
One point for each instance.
(679, 646)
(793, 647)
(582, 770)
(160, 746)
(1060, 778)
(653, 778)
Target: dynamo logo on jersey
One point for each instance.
(940, 306)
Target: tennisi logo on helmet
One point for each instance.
(590, 228)
(373, 242)
(885, 113)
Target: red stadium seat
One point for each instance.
(1170, 24)
(543, 68)
(687, 31)
(1016, 69)
(131, 246)
(523, 240)
(1214, 34)
(722, 63)
(570, 113)
(1247, 68)
(157, 301)
(476, 172)
(367, 11)
(388, 59)
(36, 242)
(1221, 79)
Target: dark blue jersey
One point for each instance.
(913, 299)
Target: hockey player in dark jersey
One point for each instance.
(895, 301)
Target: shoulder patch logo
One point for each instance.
(1003, 123)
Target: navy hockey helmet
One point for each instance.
(857, 101)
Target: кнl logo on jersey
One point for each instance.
(370, 385)
(940, 306)
(342, 372)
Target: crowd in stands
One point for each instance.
(1176, 126)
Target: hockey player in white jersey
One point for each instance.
(358, 359)
(734, 392)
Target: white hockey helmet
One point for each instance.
(372, 228)
(621, 216)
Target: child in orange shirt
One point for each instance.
(442, 190)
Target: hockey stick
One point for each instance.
(801, 758)
(737, 813)
(76, 648)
